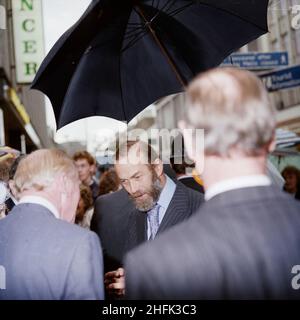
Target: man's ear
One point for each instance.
(12, 188)
(61, 183)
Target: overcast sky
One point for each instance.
(58, 16)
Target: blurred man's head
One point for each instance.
(291, 176)
(50, 174)
(140, 172)
(85, 164)
(233, 108)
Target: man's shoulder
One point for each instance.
(212, 215)
(252, 196)
(70, 232)
(112, 197)
(113, 202)
(72, 229)
(35, 216)
(191, 183)
(190, 194)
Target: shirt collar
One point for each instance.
(167, 193)
(41, 201)
(184, 177)
(14, 200)
(237, 183)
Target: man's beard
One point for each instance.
(153, 196)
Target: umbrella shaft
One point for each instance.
(162, 47)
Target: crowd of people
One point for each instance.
(147, 230)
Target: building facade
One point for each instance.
(22, 111)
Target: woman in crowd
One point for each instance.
(85, 209)
(291, 176)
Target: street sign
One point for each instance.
(28, 38)
(282, 79)
(255, 61)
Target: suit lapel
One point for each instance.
(137, 229)
(177, 210)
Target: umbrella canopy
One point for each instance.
(123, 55)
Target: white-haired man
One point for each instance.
(45, 256)
(244, 242)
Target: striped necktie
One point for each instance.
(153, 218)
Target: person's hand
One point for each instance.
(115, 282)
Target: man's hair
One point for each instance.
(109, 182)
(147, 154)
(39, 169)
(14, 166)
(84, 155)
(293, 171)
(233, 108)
(4, 169)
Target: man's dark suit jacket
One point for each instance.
(9, 205)
(121, 227)
(242, 244)
(47, 258)
(110, 222)
(190, 182)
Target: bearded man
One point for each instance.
(149, 204)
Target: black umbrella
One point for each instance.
(123, 55)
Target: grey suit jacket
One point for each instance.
(47, 258)
(121, 227)
(242, 244)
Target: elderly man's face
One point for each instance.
(141, 182)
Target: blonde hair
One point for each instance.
(38, 170)
(233, 108)
(84, 155)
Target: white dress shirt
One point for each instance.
(237, 183)
(41, 201)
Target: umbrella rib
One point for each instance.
(162, 47)
(134, 23)
(121, 90)
(141, 30)
(233, 14)
(140, 35)
(169, 2)
(134, 32)
(178, 10)
(156, 5)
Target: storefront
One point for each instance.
(16, 129)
